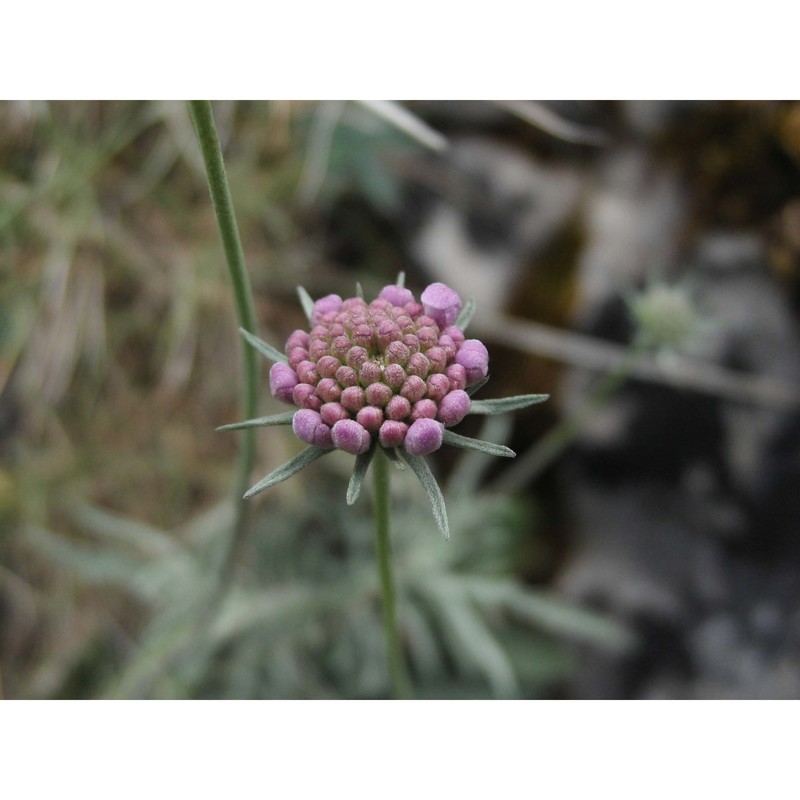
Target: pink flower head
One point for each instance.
(441, 303)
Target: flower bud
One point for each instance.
(392, 433)
(397, 353)
(362, 335)
(396, 295)
(424, 436)
(325, 305)
(353, 398)
(368, 373)
(456, 334)
(346, 376)
(327, 366)
(370, 418)
(328, 390)
(418, 365)
(305, 396)
(394, 376)
(438, 385)
(307, 372)
(332, 412)
(454, 407)
(351, 437)
(318, 348)
(282, 380)
(457, 376)
(398, 408)
(424, 409)
(340, 347)
(378, 394)
(437, 358)
(427, 337)
(297, 339)
(356, 356)
(413, 389)
(474, 357)
(296, 356)
(308, 426)
(448, 345)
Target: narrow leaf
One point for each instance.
(266, 350)
(475, 386)
(363, 461)
(429, 484)
(359, 290)
(401, 279)
(260, 422)
(292, 466)
(490, 448)
(306, 302)
(503, 404)
(465, 315)
(391, 454)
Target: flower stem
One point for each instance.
(401, 685)
(203, 118)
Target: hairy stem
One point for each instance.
(401, 684)
(203, 118)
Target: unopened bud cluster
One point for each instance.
(393, 369)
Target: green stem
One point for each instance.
(401, 684)
(203, 118)
(559, 437)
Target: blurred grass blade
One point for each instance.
(291, 467)
(359, 471)
(502, 405)
(306, 302)
(266, 350)
(490, 448)
(260, 422)
(423, 472)
(401, 279)
(465, 315)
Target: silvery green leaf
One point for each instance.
(359, 290)
(266, 350)
(391, 454)
(503, 404)
(292, 466)
(465, 315)
(489, 448)
(363, 461)
(475, 386)
(401, 279)
(429, 484)
(306, 302)
(260, 422)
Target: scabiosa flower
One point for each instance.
(394, 374)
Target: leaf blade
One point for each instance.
(429, 484)
(291, 467)
(260, 422)
(502, 405)
(490, 448)
(267, 350)
(465, 315)
(363, 460)
(306, 302)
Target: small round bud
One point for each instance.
(327, 366)
(351, 437)
(454, 407)
(308, 426)
(448, 345)
(317, 349)
(353, 398)
(304, 395)
(325, 305)
(378, 394)
(370, 418)
(346, 376)
(297, 339)
(369, 372)
(424, 409)
(413, 309)
(296, 356)
(392, 433)
(396, 295)
(354, 305)
(398, 408)
(456, 334)
(474, 357)
(282, 380)
(328, 390)
(418, 365)
(362, 335)
(424, 436)
(332, 412)
(427, 337)
(394, 376)
(397, 353)
(457, 376)
(411, 342)
(413, 389)
(437, 358)
(307, 372)
(340, 347)
(356, 356)
(438, 385)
